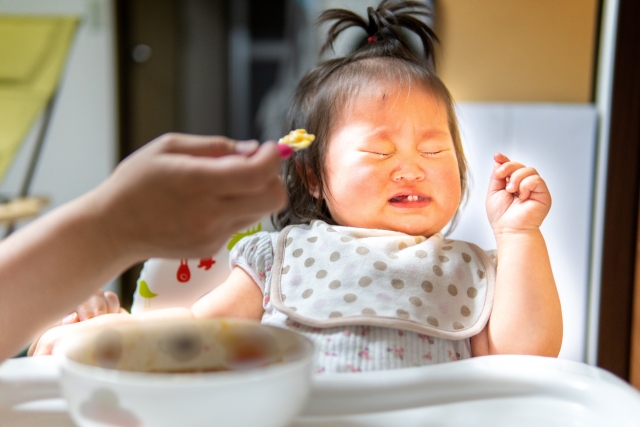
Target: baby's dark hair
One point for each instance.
(326, 89)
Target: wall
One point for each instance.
(521, 51)
(81, 148)
(555, 139)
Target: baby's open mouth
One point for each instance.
(400, 199)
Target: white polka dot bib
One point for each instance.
(326, 276)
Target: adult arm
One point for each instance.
(180, 196)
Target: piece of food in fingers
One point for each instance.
(297, 139)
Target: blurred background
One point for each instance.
(552, 83)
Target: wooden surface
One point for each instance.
(634, 364)
(621, 214)
(24, 208)
(518, 51)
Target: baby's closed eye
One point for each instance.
(430, 153)
(385, 155)
(434, 149)
(381, 155)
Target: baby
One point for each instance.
(361, 266)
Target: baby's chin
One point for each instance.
(414, 231)
(416, 224)
(412, 228)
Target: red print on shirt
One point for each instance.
(183, 274)
(206, 263)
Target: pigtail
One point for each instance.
(407, 15)
(384, 27)
(344, 19)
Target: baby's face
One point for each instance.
(391, 164)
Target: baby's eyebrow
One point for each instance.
(384, 134)
(433, 133)
(373, 134)
(377, 138)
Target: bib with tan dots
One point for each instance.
(326, 276)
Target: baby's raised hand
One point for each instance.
(518, 199)
(96, 305)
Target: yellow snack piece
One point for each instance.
(297, 139)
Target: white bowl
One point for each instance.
(158, 374)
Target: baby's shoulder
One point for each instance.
(258, 241)
(492, 254)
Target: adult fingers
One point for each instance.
(203, 145)
(236, 175)
(113, 302)
(272, 198)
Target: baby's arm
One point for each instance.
(526, 316)
(238, 297)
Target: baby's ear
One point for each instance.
(310, 178)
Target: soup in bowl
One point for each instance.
(226, 372)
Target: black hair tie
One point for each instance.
(374, 25)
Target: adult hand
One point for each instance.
(183, 195)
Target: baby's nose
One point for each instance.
(408, 172)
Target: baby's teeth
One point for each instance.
(411, 198)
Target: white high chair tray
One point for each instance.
(488, 391)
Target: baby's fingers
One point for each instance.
(505, 170)
(96, 305)
(500, 158)
(530, 185)
(517, 176)
(70, 318)
(113, 302)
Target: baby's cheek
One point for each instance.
(355, 189)
(447, 183)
